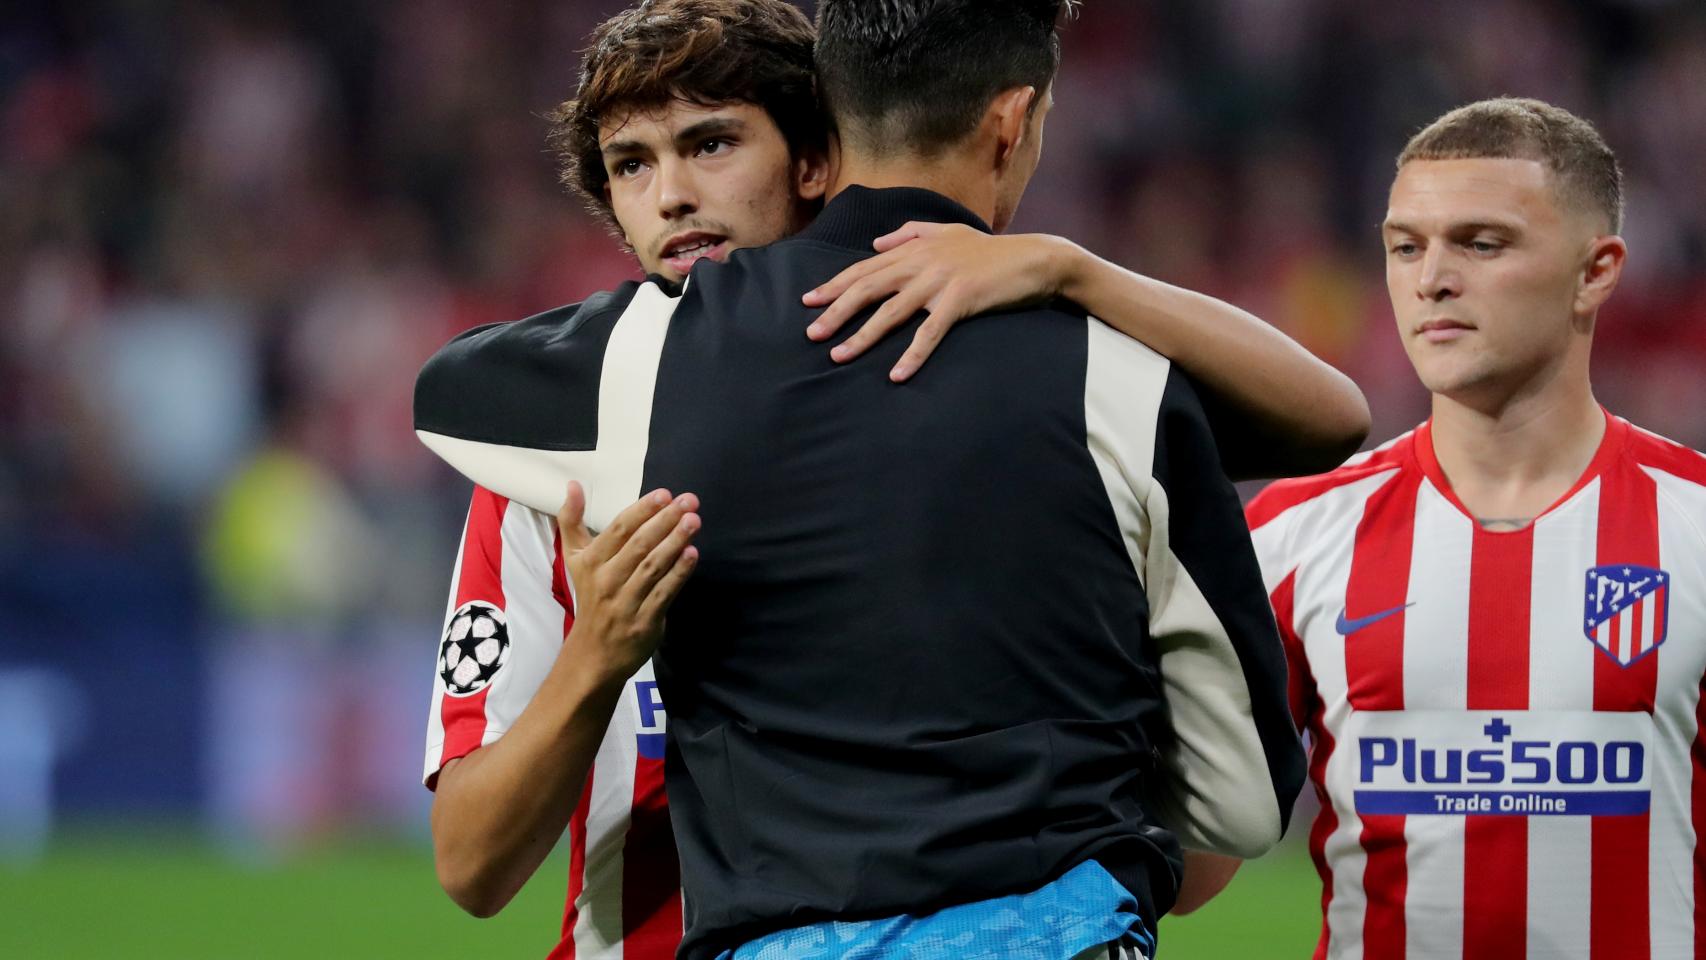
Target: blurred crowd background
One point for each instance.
(230, 233)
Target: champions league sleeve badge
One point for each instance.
(475, 648)
(1628, 610)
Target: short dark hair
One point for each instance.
(707, 52)
(1584, 170)
(914, 76)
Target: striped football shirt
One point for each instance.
(624, 885)
(1506, 726)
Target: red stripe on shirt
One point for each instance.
(482, 550)
(1628, 533)
(1299, 687)
(1667, 455)
(1280, 496)
(651, 872)
(1495, 848)
(481, 578)
(565, 949)
(1307, 709)
(1380, 582)
(464, 720)
(1374, 674)
(1326, 821)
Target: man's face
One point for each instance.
(1483, 264)
(688, 181)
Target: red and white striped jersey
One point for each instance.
(510, 607)
(1506, 726)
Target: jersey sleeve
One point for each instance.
(1236, 763)
(508, 612)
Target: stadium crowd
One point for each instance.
(231, 233)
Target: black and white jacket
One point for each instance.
(947, 639)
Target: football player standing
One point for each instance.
(1497, 622)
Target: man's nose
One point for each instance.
(678, 195)
(1439, 279)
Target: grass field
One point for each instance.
(117, 897)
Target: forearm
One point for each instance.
(499, 810)
(1316, 413)
(1206, 874)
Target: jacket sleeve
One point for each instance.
(523, 408)
(1235, 764)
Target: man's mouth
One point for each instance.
(680, 253)
(1443, 330)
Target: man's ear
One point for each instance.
(811, 173)
(1600, 273)
(1008, 117)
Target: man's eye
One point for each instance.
(1483, 246)
(713, 146)
(1405, 249)
(627, 168)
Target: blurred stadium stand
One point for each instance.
(231, 232)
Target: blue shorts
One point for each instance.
(1085, 913)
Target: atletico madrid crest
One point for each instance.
(1628, 610)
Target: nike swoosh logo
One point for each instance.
(1346, 626)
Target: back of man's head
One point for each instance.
(915, 76)
(1584, 170)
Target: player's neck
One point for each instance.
(956, 177)
(1508, 463)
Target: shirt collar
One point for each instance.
(859, 215)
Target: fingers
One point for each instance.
(639, 545)
(883, 281)
(914, 230)
(663, 594)
(838, 285)
(835, 286)
(571, 520)
(925, 341)
(611, 540)
(846, 294)
(662, 559)
(897, 310)
(908, 281)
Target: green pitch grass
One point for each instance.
(1272, 911)
(136, 898)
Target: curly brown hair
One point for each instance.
(707, 52)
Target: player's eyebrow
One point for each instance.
(689, 136)
(1456, 229)
(622, 148)
(693, 134)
